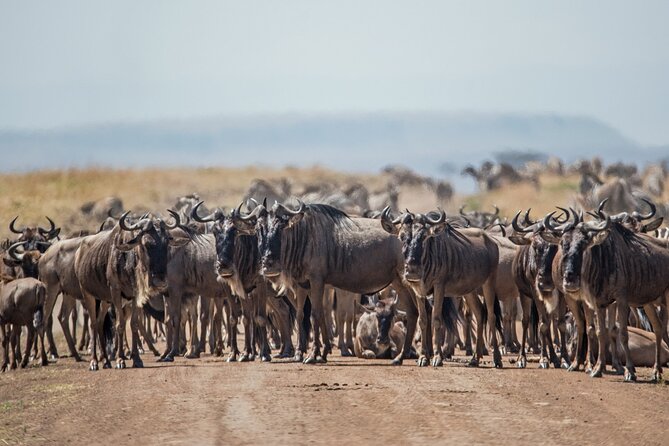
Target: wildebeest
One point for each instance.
(21, 304)
(604, 262)
(316, 245)
(444, 261)
(380, 332)
(35, 236)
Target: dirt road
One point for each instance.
(209, 401)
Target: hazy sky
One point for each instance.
(67, 63)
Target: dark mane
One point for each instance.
(317, 231)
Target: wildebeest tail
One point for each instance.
(158, 315)
(38, 316)
(292, 312)
(534, 319)
(108, 327)
(498, 315)
(450, 313)
(306, 321)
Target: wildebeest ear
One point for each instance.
(363, 308)
(519, 240)
(436, 229)
(401, 316)
(550, 237)
(599, 237)
(129, 245)
(389, 227)
(10, 262)
(179, 241)
(653, 225)
(295, 219)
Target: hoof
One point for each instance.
(521, 363)
(192, 356)
(299, 357)
(93, 367)
(106, 365)
(497, 360)
(619, 371)
(437, 361)
(244, 358)
(422, 361)
(469, 352)
(573, 368)
(53, 357)
(397, 361)
(311, 359)
(265, 358)
(232, 357)
(565, 364)
(630, 377)
(346, 353)
(657, 377)
(120, 364)
(474, 362)
(543, 365)
(596, 374)
(137, 364)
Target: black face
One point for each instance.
(156, 242)
(573, 244)
(385, 317)
(413, 236)
(226, 234)
(269, 239)
(544, 253)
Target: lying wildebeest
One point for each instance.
(604, 262)
(316, 245)
(444, 261)
(380, 331)
(21, 304)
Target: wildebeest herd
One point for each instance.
(588, 282)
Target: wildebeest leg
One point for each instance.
(316, 294)
(438, 328)
(612, 328)
(89, 305)
(526, 304)
(232, 315)
(102, 313)
(5, 347)
(135, 327)
(53, 290)
(15, 341)
(560, 313)
(468, 327)
(579, 333)
(247, 321)
(217, 324)
(85, 342)
(602, 334)
(302, 332)
(425, 324)
(547, 349)
(261, 322)
(204, 323)
(281, 316)
(192, 320)
(490, 297)
(592, 337)
(623, 315)
(67, 307)
(144, 332)
(119, 326)
(476, 308)
(30, 339)
(172, 302)
(658, 330)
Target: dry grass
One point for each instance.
(60, 194)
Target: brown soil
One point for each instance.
(209, 401)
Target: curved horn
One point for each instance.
(496, 210)
(600, 208)
(194, 215)
(385, 215)
(603, 226)
(177, 220)
(12, 251)
(237, 213)
(440, 220)
(516, 227)
(122, 223)
(639, 216)
(462, 209)
(13, 229)
(548, 223)
(299, 209)
(46, 232)
(528, 220)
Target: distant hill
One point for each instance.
(358, 142)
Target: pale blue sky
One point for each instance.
(74, 62)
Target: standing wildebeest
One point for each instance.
(21, 304)
(532, 273)
(604, 262)
(238, 265)
(35, 234)
(444, 261)
(317, 245)
(178, 263)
